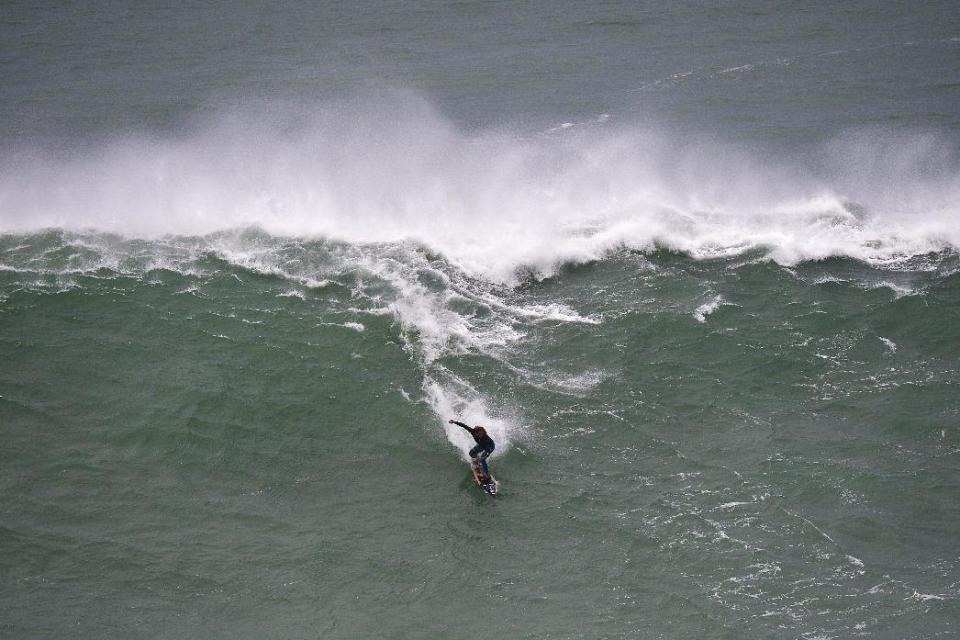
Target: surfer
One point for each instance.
(485, 445)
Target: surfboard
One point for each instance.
(490, 484)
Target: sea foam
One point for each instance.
(496, 202)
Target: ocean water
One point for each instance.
(695, 267)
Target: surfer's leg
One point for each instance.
(483, 462)
(483, 458)
(477, 449)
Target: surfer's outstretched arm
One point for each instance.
(460, 424)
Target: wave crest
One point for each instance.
(494, 202)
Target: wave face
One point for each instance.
(497, 203)
(738, 437)
(695, 268)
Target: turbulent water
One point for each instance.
(695, 268)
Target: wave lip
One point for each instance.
(497, 204)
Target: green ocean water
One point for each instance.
(199, 444)
(694, 266)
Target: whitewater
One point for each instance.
(696, 269)
(498, 203)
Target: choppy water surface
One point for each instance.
(702, 289)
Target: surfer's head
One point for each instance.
(480, 431)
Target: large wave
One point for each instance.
(495, 201)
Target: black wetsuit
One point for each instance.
(485, 445)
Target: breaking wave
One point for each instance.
(497, 203)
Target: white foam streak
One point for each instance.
(707, 308)
(890, 344)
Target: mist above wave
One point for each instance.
(389, 168)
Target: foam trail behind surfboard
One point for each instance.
(467, 406)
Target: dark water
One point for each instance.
(779, 70)
(694, 267)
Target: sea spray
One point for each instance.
(495, 203)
